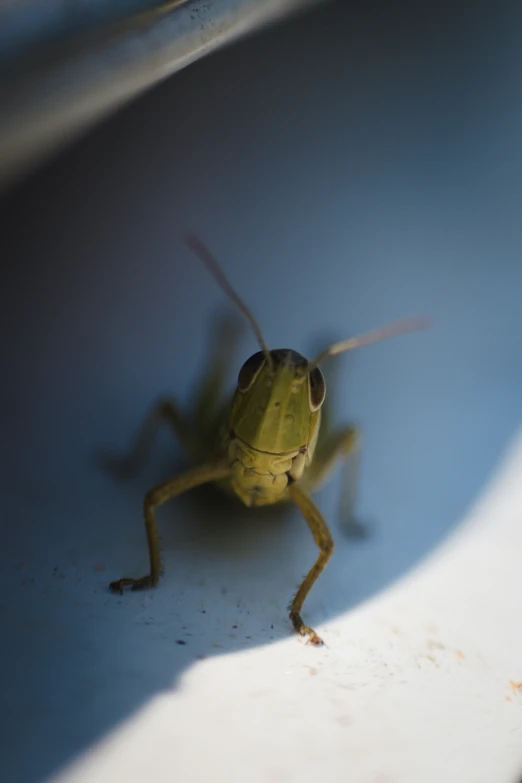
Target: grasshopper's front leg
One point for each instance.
(325, 544)
(341, 445)
(156, 497)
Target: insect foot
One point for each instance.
(137, 584)
(305, 630)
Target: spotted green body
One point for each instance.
(274, 426)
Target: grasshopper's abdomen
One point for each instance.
(259, 478)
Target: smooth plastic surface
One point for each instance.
(378, 179)
(66, 65)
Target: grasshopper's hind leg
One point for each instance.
(343, 445)
(156, 497)
(208, 392)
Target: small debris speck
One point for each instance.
(434, 644)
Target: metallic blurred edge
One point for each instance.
(45, 102)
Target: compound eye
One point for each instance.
(250, 370)
(317, 389)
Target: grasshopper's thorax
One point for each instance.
(274, 424)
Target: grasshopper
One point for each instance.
(264, 446)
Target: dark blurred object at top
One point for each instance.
(65, 64)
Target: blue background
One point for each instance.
(356, 165)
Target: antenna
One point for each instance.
(204, 254)
(398, 327)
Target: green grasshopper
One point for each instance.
(264, 445)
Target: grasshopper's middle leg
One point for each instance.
(165, 411)
(325, 544)
(194, 435)
(156, 497)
